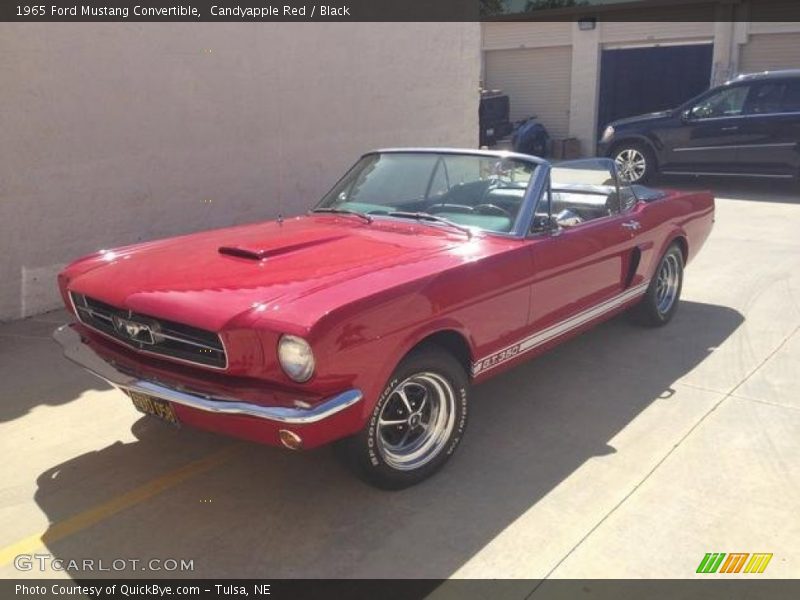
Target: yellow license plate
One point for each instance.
(154, 406)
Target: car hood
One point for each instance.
(295, 271)
(655, 116)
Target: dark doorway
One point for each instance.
(635, 81)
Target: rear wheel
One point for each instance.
(417, 422)
(635, 162)
(663, 294)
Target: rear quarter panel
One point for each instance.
(687, 217)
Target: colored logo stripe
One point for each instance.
(758, 563)
(710, 562)
(733, 564)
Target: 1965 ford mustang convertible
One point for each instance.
(367, 320)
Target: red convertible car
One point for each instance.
(367, 320)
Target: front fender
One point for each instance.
(417, 336)
(403, 345)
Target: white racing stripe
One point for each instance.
(542, 337)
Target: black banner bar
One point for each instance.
(239, 10)
(397, 10)
(712, 587)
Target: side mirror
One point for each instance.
(686, 115)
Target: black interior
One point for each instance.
(587, 205)
(588, 202)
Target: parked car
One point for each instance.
(749, 126)
(368, 320)
(493, 117)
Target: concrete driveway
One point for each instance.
(625, 453)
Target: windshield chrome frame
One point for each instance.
(530, 200)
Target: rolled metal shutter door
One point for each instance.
(537, 81)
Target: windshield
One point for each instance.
(482, 192)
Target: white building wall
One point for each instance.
(585, 86)
(117, 133)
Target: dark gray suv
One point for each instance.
(750, 126)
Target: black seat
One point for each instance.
(586, 205)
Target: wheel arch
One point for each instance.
(677, 236)
(451, 340)
(447, 335)
(683, 244)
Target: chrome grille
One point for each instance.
(151, 335)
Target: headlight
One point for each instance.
(608, 133)
(296, 358)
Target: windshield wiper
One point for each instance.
(423, 216)
(343, 211)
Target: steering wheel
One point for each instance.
(489, 209)
(454, 208)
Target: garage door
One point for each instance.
(770, 51)
(537, 81)
(636, 81)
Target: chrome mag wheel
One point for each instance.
(667, 283)
(631, 165)
(416, 421)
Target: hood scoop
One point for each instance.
(264, 253)
(243, 252)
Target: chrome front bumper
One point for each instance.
(76, 350)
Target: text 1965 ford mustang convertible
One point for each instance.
(366, 321)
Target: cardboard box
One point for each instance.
(572, 148)
(556, 149)
(565, 149)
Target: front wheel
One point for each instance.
(661, 300)
(634, 162)
(416, 424)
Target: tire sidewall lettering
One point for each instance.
(372, 442)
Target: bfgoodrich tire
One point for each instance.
(664, 292)
(416, 424)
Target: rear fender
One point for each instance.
(676, 234)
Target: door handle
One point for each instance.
(731, 128)
(632, 225)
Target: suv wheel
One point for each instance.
(416, 424)
(635, 162)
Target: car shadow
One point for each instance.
(271, 513)
(736, 188)
(33, 371)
